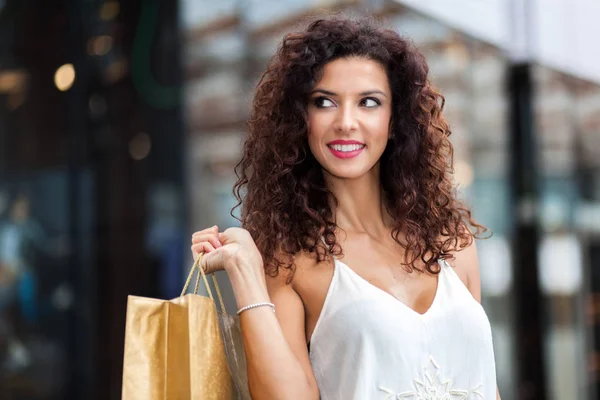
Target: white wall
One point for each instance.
(566, 36)
(562, 34)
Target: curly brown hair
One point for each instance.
(286, 204)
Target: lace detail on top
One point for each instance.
(430, 386)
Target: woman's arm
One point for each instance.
(275, 344)
(276, 355)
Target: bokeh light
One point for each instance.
(64, 77)
(139, 146)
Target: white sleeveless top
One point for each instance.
(369, 345)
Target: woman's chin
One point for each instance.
(348, 172)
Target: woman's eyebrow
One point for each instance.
(365, 93)
(374, 91)
(326, 92)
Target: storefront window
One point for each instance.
(568, 132)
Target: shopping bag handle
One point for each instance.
(198, 266)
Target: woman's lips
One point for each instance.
(346, 154)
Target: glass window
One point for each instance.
(568, 129)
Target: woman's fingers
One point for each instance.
(202, 247)
(210, 238)
(208, 235)
(212, 260)
(207, 241)
(213, 229)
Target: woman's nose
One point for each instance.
(346, 120)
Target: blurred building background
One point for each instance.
(121, 122)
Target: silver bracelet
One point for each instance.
(241, 310)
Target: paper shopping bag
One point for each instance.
(174, 349)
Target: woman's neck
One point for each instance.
(361, 207)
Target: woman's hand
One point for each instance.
(233, 251)
(227, 250)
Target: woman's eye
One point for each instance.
(370, 102)
(323, 102)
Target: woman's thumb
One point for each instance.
(212, 261)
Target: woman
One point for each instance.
(353, 233)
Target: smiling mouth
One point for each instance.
(346, 151)
(346, 148)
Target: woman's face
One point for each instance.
(349, 113)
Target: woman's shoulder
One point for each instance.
(305, 268)
(466, 265)
(302, 288)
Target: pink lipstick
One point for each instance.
(345, 148)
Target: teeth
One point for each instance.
(346, 147)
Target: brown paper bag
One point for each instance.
(174, 349)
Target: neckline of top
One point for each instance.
(429, 310)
